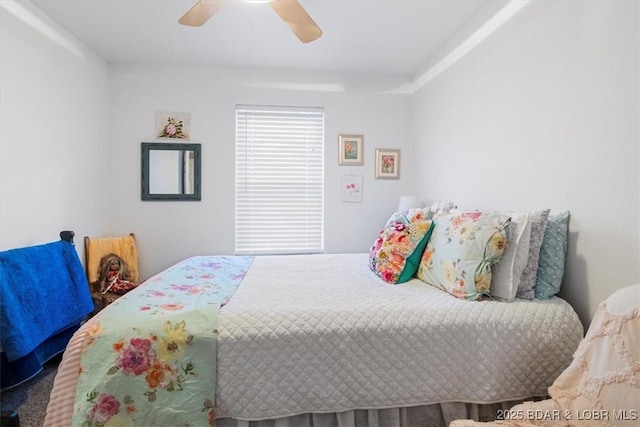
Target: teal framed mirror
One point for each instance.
(171, 171)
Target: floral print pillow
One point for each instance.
(410, 215)
(442, 208)
(462, 249)
(396, 253)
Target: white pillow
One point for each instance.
(507, 272)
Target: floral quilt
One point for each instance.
(150, 358)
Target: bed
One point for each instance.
(307, 340)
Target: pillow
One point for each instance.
(430, 212)
(528, 279)
(552, 256)
(396, 253)
(442, 207)
(506, 273)
(410, 215)
(461, 251)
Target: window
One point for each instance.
(279, 180)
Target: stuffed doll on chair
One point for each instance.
(114, 275)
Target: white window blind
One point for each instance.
(279, 180)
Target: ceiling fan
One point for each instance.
(290, 11)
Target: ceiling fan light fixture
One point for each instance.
(290, 11)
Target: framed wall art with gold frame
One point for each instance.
(351, 150)
(387, 163)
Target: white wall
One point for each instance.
(167, 232)
(545, 114)
(53, 137)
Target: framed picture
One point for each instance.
(351, 188)
(173, 126)
(351, 150)
(387, 163)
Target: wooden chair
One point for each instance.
(95, 249)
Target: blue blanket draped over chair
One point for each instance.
(44, 296)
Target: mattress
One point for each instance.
(323, 334)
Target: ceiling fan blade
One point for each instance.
(201, 12)
(298, 20)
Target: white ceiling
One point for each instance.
(378, 37)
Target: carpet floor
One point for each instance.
(30, 399)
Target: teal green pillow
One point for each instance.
(413, 261)
(553, 253)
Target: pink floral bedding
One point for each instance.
(150, 358)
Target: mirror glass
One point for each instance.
(170, 171)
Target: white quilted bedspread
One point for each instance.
(321, 333)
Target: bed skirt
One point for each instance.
(436, 415)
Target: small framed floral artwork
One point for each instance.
(351, 190)
(387, 163)
(351, 149)
(173, 126)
